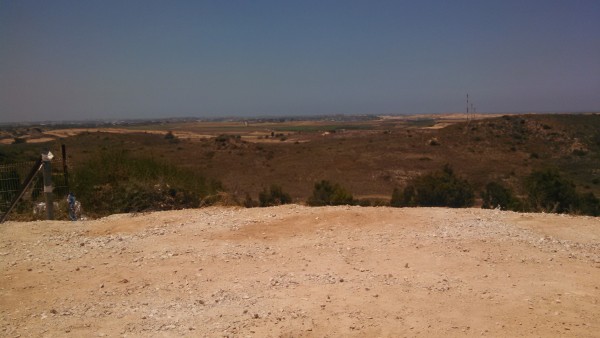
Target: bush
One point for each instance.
(403, 198)
(117, 182)
(325, 193)
(171, 137)
(274, 196)
(497, 195)
(225, 138)
(550, 192)
(364, 202)
(589, 204)
(438, 189)
(249, 202)
(371, 202)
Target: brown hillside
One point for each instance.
(372, 161)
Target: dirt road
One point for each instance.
(295, 271)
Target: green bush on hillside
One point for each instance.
(550, 192)
(403, 198)
(326, 193)
(118, 182)
(171, 137)
(589, 204)
(497, 195)
(439, 189)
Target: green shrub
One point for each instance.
(171, 137)
(364, 202)
(116, 182)
(589, 204)
(441, 189)
(550, 192)
(326, 193)
(223, 138)
(273, 196)
(403, 198)
(497, 195)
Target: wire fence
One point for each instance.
(12, 177)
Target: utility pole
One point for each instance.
(47, 157)
(467, 107)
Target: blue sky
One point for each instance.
(145, 59)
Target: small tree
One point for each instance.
(326, 193)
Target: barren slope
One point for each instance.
(298, 271)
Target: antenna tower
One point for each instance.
(467, 107)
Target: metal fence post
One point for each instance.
(47, 157)
(65, 169)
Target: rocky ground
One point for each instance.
(294, 271)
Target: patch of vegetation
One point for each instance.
(402, 198)
(550, 192)
(589, 204)
(249, 202)
(326, 193)
(433, 142)
(497, 195)
(421, 123)
(371, 202)
(117, 182)
(273, 196)
(439, 189)
(329, 128)
(224, 138)
(20, 152)
(169, 136)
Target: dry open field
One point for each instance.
(368, 157)
(295, 271)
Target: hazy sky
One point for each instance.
(134, 59)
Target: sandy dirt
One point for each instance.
(294, 271)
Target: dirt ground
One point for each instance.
(295, 271)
